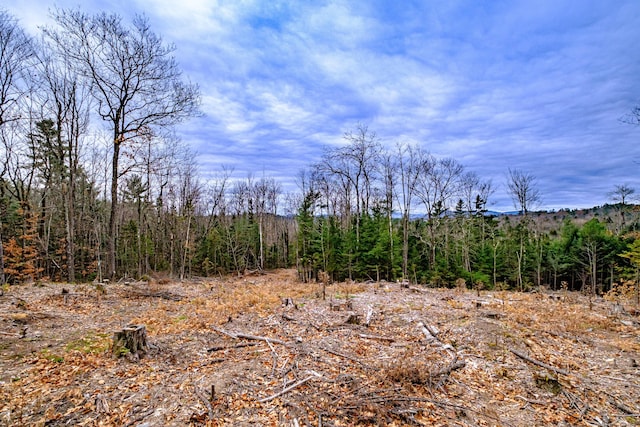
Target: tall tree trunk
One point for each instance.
(69, 213)
(520, 256)
(139, 236)
(186, 249)
(261, 242)
(2, 277)
(114, 208)
(405, 245)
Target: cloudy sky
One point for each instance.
(541, 86)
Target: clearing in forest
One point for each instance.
(268, 350)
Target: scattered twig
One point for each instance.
(376, 337)
(275, 359)
(102, 405)
(285, 316)
(620, 406)
(249, 337)
(291, 387)
(228, 347)
(204, 400)
(532, 401)
(259, 338)
(433, 331)
(429, 333)
(141, 416)
(539, 363)
(223, 332)
(455, 364)
(337, 353)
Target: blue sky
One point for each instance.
(539, 86)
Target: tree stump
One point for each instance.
(130, 341)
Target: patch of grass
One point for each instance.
(92, 343)
(633, 420)
(122, 351)
(180, 318)
(52, 357)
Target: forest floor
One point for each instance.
(267, 350)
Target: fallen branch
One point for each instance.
(337, 353)
(291, 387)
(376, 337)
(249, 337)
(428, 332)
(539, 363)
(456, 364)
(259, 338)
(433, 331)
(227, 347)
(223, 332)
(531, 401)
(621, 407)
(140, 416)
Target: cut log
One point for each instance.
(130, 341)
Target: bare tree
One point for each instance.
(134, 78)
(523, 190)
(355, 166)
(525, 196)
(620, 194)
(189, 193)
(264, 193)
(16, 52)
(438, 181)
(408, 165)
(66, 100)
(475, 192)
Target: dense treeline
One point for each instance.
(371, 213)
(78, 204)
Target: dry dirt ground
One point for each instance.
(267, 350)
